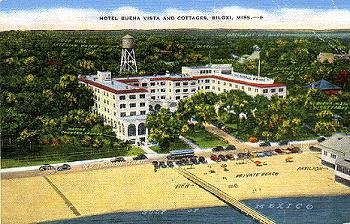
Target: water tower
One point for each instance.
(128, 59)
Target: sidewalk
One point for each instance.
(147, 149)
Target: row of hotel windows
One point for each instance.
(122, 114)
(333, 156)
(163, 84)
(122, 106)
(343, 170)
(132, 113)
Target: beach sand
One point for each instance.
(139, 188)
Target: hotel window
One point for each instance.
(193, 90)
(113, 104)
(113, 97)
(193, 83)
(207, 81)
(162, 90)
(280, 90)
(333, 156)
(142, 112)
(256, 90)
(236, 86)
(265, 90)
(213, 81)
(122, 97)
(242, 87)
(185, 83)
(144, 84)
(122, 106)
(281, 97)
(177, 91)
(107, 94)
(115, 113)
(132, 105)
(153, 84)
(177, 84)
(185, 90)
(162, 97)
(325, 153)
(132, 97)
(132, 113)
(273, 90)
(123, 114)
(207, 87)
(153, 97)
(178, 97)
(214, 87)
(162, 83)
(142, 104)
(153, 90)
(230, 84)
(249, 89)
(104, 100)
(218, 82)
(224, 83)
(218, 88)
(142, 96)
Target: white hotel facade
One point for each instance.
(125, 102)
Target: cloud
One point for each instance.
(133, 18)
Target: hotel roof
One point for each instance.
(113, 86)
(337, 142)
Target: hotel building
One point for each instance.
(336, 155)
(125, 102)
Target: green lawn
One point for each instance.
(62, 153)
(204, 139)
(178, 144)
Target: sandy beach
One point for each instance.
(139, 188)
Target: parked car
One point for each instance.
(260, 154)
(170, 164)
(140, 157)
(222, 158)
(279, 151)
(118, 159)
(214, 157)
(242, 155)
(162, 164)
(178, 163)
(230, 147)
(268, 153)
(201, 159)
(46, 167)
(315, 149)
(264, 144)
(283, 142)
(218, 149)
(229, 156)
(63, 167)
(321, 139)
(194, 160)
(295, 150)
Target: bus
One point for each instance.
(183, 153)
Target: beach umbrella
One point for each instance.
(257, 162)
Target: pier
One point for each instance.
(229, 200)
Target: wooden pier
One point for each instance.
(225, 197)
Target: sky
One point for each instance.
(85, 14)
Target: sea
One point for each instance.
(296, 210)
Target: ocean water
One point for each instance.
(301, 210)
